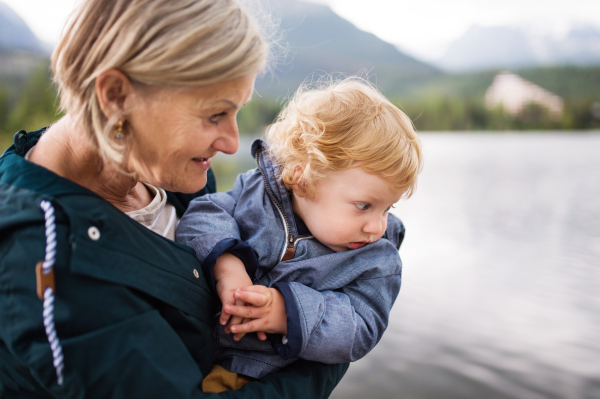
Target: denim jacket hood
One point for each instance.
(337, 303)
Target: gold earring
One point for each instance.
(119, 133)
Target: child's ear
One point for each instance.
(298, 187)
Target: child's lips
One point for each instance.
(355, 245)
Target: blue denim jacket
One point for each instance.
(337, 303)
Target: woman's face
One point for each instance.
(175, 132)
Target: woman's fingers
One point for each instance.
(261, 335)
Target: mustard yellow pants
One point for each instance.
(219, 380)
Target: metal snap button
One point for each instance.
(94, 233)
(196, 274)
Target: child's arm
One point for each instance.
(210, 227)
(338, 325)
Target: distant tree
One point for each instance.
(578, 114)
(3, 110)
(36, 106)
(256, 115)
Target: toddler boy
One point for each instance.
(295, 247)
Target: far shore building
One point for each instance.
(514, 93)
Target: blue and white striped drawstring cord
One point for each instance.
(48, 292)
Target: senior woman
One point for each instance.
(96, 300)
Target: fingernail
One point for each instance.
(233, 329)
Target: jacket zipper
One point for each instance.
(290, 240)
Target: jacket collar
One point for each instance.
(272, 172)
(15, 170)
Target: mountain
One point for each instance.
(321, 42)
(503, 47)
(581, 46)
(486, 48)
(15, 34)
(21, 52)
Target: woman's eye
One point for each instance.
(363, 207)
(215, 118)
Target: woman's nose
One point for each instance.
(228, 141)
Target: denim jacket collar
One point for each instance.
(271, 170)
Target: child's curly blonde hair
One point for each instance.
(342, 125)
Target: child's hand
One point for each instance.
(267, 312)
(230, 274)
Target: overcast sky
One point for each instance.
(421, 27)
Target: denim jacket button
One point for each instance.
(94, 233)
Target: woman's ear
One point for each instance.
(113, 88)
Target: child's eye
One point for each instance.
(363, 207)
(388, 209)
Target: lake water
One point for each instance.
(501, 282)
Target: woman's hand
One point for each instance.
(267, 311)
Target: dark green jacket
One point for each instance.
(133, 318)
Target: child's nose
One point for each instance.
(374, 226)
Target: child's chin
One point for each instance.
(338, 248)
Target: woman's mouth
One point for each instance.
(202, 162)
(355, 245)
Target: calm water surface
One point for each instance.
(501, 281)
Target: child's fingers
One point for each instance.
(261, 289)
(239, 336)
(224, 317)
(261, 335)
(235, 319)
(251, 326)
(261, 298)
(226, 299)
(249, 312)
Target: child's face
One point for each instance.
(349, 210)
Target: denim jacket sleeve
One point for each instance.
(344, 324)
(208, 221)
(209, 227)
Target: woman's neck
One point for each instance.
(69, 154)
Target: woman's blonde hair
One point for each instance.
(342, 125)
(161, 43)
